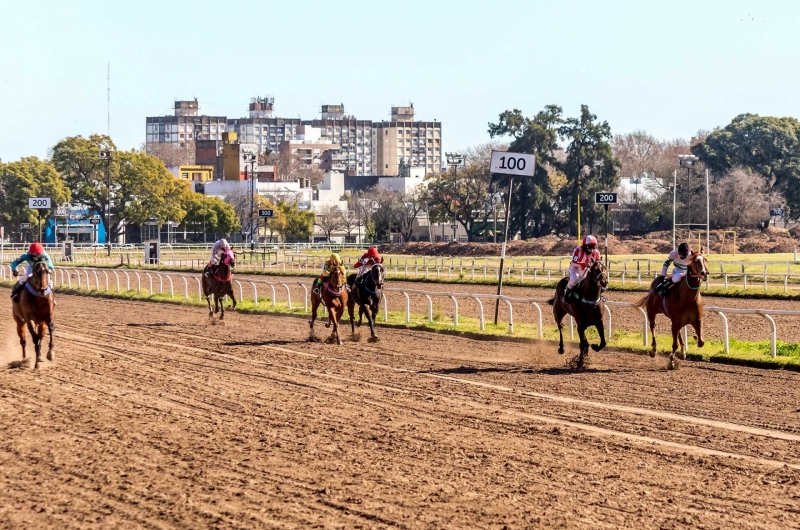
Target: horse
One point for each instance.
(219, 284)
(366, 292)
(682, 304)
(34, 308)
(588, 311)
(334, 296)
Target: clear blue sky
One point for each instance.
(670, 68)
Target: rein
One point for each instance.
(700, 282)
(336, 294)
(35, 292)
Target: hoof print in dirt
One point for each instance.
(578, 363)
(313, 338)
(355, 337)
(373, 339)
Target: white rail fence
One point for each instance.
(90, 279)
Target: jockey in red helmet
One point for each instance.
(582, 257)
(370, 258)
(34, 255)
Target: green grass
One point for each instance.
(741, 352)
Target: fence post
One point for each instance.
(773, 336)
(408, 307)
(185, 288)
(608, 312)
(455, 309)
(510, 317)
(385, 307)
(305, 296)
(255, 294)
(480, 306)
(430, 308)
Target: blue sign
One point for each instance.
(302, 206)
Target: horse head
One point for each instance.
(698, 268)
(378, 273)
(40, 278)
(599, 274)
(229, 258)
(337, 278)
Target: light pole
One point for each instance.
(687, 161)
(454, 160)
(106, 155)
(250, 158)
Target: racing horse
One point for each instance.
(34, 308)
(334, 296)
(367, 293)
(682, 304)
(587, 311)
(218, 284)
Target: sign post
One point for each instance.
(39, 203)
(265, 214)
(510, 164)
(605, 198)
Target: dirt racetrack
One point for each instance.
(151, 417)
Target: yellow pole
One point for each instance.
(579, 219)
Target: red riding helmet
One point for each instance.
(372, 252)
(589, 240)
(36, 248)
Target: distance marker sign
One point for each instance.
(605, 197)
(517, 164)
(265, 213)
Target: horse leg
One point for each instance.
(584, 348)
(698, 328)
(36, 346)
(676, 330)
(601, 330)
(339, 312)
(21, 334)
(652, 321)
(233, 297)
(222, 307)
(210, 311)
(371, 321)
(360, 315)
(40, 332)
(682, 352)
(558, 313)
(350, 312)
(50, 328)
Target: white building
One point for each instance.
(406, 184)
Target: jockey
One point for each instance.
(681, 259)
(217, 251)
(34, 255)
(370, 258)
(333, 261)
(582, 257)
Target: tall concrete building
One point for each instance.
(416, 143)
(363, 147)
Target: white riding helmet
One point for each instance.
(224, 243)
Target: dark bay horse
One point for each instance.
(34, 308)
(588, 311)
(683, 305)
(334, 296)
(367, 293)
(218, 284)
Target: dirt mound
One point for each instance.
(755, 247)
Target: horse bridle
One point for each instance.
(35, 275)
(378, 284)
(700, 277)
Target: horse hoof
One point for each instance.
(327, 325)
(681, 355)
(50, 356)
(700, 343)
(597, 347)
(652, 353)
(673, 364)
(561, 351)
(373, 338)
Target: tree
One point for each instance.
(741, 199)
(350, 222)
(590, 165)
(406, 209)
(465, 195)
(289, 168)
(765, 145)
(172, 154)
(533, 212)
(298, 224)
(216, 215)
(329, 220)
(21, 180)
(141, 187)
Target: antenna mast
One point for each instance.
(108, 97)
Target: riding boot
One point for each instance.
(317, 285)
(15, 292)
(567, 294)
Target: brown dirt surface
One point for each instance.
(152, 417)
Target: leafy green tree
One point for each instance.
(766, 145)
(297, 225)
(28, 177)
(532, 211)
(218, 216)
(141, 187)
(590, 165)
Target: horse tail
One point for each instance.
(552, 301)
(642, 301)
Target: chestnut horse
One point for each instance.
(367, 293)
(219, 284)
(683, 305)
(587, 311)
(334, 296)
(34, 309)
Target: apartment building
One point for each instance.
(365, 147)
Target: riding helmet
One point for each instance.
(36, 248)
(335, 258)
(589, 240)
(683, 249)
(372, 252)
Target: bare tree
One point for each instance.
(406, 210)
(329, 220)
(350, 222)
(172, 154)
(741, 199)
(289, 168)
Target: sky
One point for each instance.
(669, 68)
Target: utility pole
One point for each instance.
(454, 160)
(106, 155)
(251, 159)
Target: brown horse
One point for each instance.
(218, 284)
(367, 293)
(34, 308)
(587, 311)
(683, 305)
(334, 296)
